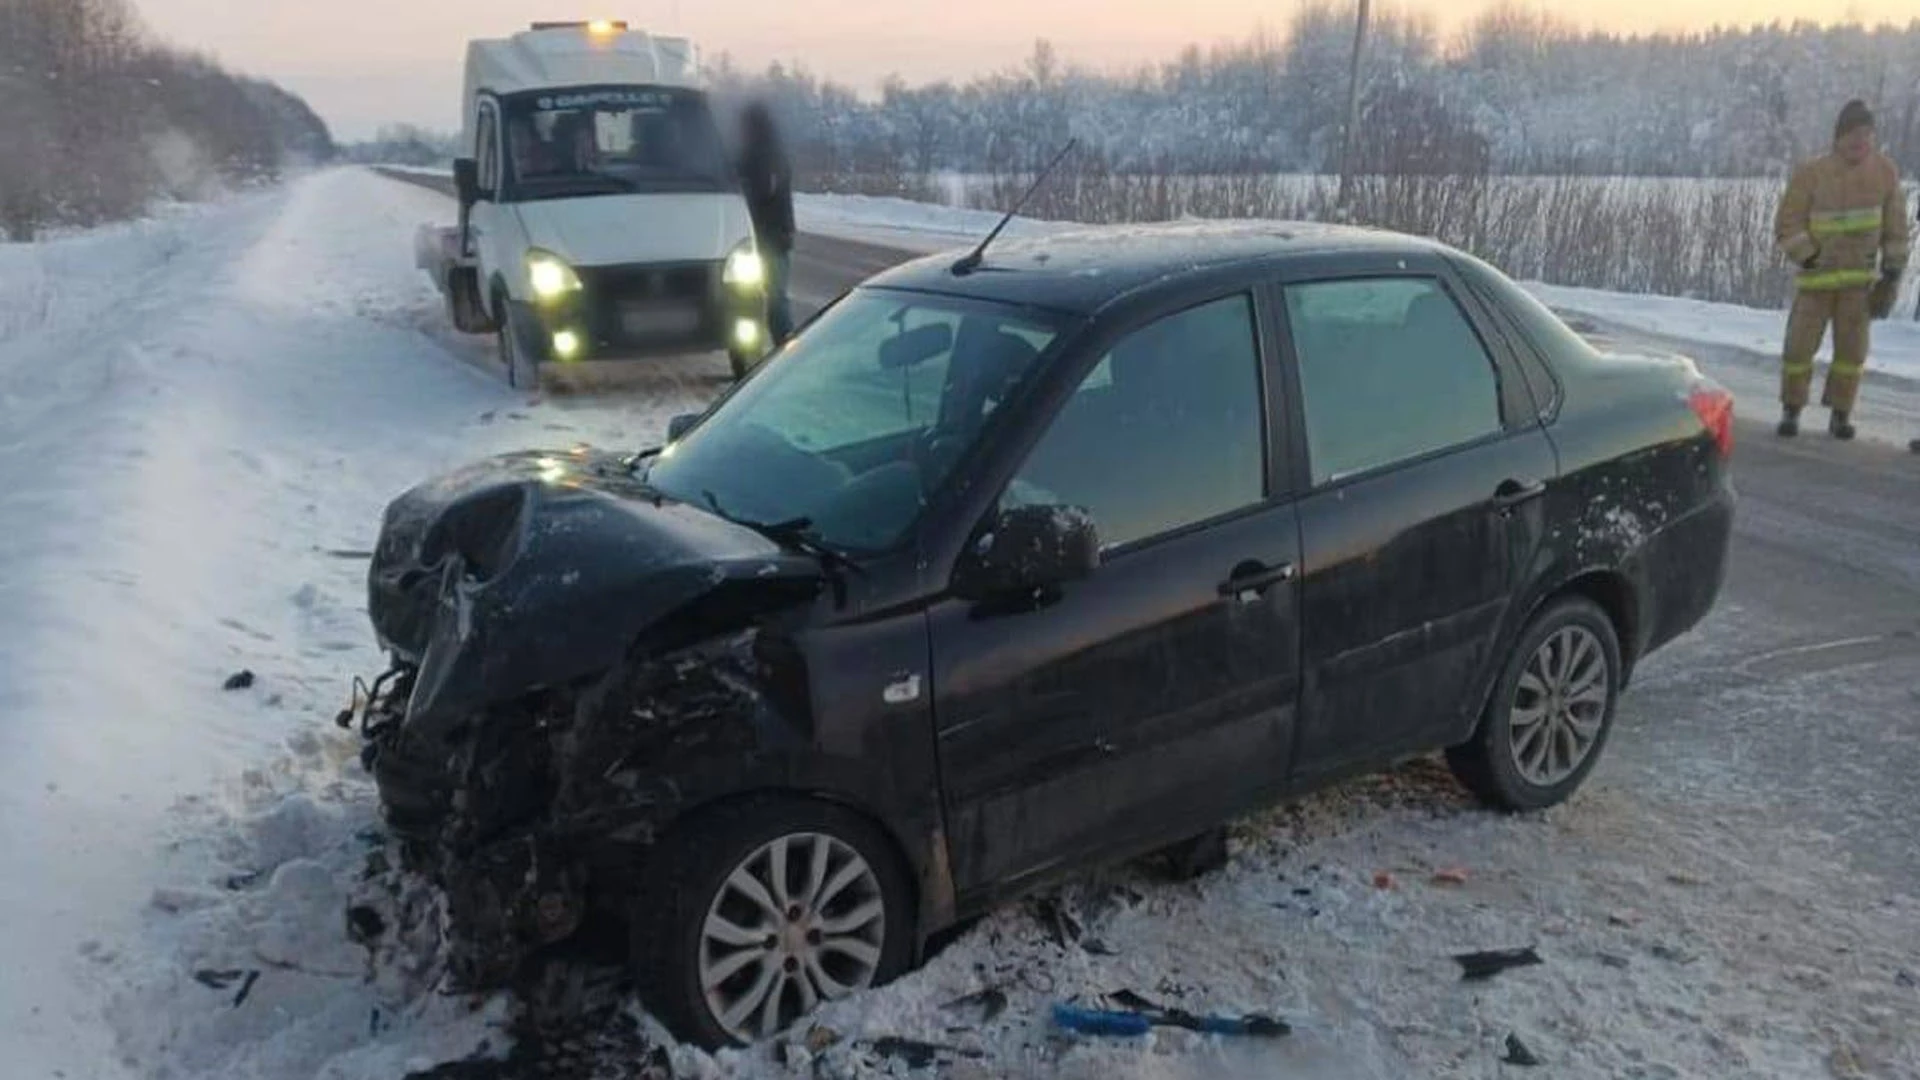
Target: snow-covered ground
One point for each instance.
(200, 420)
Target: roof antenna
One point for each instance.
(971, 260)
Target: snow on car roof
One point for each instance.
(1080, 270)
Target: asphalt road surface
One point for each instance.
(1798, 702)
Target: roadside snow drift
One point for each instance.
(201, 418)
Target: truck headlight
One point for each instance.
(550, 277)
(745, 269)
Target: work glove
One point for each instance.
(1887, 290)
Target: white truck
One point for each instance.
(600, 218)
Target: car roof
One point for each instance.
(1082, 270)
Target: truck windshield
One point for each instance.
(614, 140)
(851, 428)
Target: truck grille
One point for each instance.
(653, 306)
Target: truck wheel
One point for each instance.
(463, 304)
(523, 371)
(1550, 714)
(743, 363)
(755, 914)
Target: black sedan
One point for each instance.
(1002, 570)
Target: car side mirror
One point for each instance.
(466, 180)
(1028, 549)
(680, 425)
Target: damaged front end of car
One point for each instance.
(574, 662)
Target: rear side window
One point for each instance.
(1536, 324)
(1390, 370)
(1166, 432)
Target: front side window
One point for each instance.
(1390, 370)
(487, 151)
(613, 141)
(854, 425)
(1167, 430)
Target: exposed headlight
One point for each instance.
(745, 268)
(566, 345)
(550, 277)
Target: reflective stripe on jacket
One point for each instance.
(1850, 220)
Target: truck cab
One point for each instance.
(600, 218)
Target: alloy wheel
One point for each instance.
(799, 921)
(1559, 706)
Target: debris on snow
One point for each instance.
(917, 1054)
(246, 987)
(1518, 1053)
(239, 680)
(175, 900)
(217, 980)
(1671, 954)
(1084, 1021)
(364, 924)
(1485, 965)
(991, 1002)
(1452, 875)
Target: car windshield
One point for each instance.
(613, 141)
(847, 432)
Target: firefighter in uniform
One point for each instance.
(1843, 222)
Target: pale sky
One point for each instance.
(362, 63)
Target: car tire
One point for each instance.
(1550, 714)
(523, 371)
(703, 943)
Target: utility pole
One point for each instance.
(1353, 108)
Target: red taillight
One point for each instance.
(1714, 407)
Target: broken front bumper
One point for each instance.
(476, 830)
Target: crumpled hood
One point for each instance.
(619, 230)
(535, 569)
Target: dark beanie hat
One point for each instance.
(1853, 116)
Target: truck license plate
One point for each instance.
(659, 320)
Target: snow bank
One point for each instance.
(201, 418)
(1896, 342)
(904, 224)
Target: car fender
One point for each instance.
(659, 741)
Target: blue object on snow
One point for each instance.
(1100, 1021)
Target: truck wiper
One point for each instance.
(795, 535)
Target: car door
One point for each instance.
(1422, 504)
(1156, 695)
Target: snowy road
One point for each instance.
(201, 417)
(197, 417)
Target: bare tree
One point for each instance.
(96, 120)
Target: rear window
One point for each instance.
(1537, 325)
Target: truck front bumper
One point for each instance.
(624, 312)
